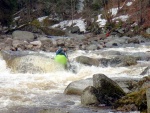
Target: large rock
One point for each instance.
(87, 60)
(23, 35)
(148, 31)
(77, 87)
(123, 61)
(108, 90)
(89, 96)
(46, 44)
(75, 29)
(22, 62)
(148, 100)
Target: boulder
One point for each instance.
(36, 43)
(23, 35)
(148, 31)
(145, 71)
(77, 87)
(123, 61)
(89, 96)
(75, 29)
(108, 90)
(148, 99)
(22, 62)
(133, 40)
(87, 60)
(9, 41)
(46, 44)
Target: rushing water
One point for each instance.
(19, 91)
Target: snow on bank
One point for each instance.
(122, 17)
(78, 22)
(40, 19)
(129, 4)
(114, 11)
(101, 22)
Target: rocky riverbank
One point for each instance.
(23, 40)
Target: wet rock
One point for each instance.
(22, 35)
(104, 62)
(91, 47)
(133, 40)
(9, 41)
(46, 44)
(75, 29)
(21, 63)
(123, 61)
(2, 46)
(146, 70)
(148, 99)
(36, 43)
(108, 53)
(54, 110)
(89, 96)
(142, 56)
(108, 90)
(77, 87)
(60, 42)
(87, 60)
(19, 44)
(110, 41)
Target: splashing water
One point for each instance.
(46, 89)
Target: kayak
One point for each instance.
(61, 59)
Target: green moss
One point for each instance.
(48, 22)
(50, 31)
(137, 98)
(36, 23)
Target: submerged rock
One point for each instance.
(123, 61)
(25, 62)
(87, 60)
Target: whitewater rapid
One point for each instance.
(46, 90)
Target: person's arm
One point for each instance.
(58, 51)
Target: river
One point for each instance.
(29, 93)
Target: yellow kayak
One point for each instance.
(61, 59)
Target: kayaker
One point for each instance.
(61, 51)
(61, 56)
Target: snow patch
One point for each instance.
(101, 21)
(78, 22)
(114, 11)
(123, 17)
(129, 4)
(40, 19)
(17, 18)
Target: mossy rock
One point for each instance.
(49, 22)
(53, 32)
(36, 23)
(146, 35)
(137, 98)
